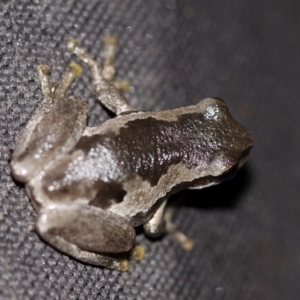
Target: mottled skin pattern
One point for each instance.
(147, 147)
(91, 186)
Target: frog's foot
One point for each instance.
(108, 69)
(108, 94)
(137, 253)
(185, 242)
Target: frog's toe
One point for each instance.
(123, 265)
(188, 244)
(72, 44)
(137, 253)
(185, 242)
(43, 69)
(122, 85)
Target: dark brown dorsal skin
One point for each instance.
(149, 146)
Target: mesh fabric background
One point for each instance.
(174, 53)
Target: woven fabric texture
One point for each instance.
(174, 53)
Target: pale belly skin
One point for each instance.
(92, 185)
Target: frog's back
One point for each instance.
(130, 162)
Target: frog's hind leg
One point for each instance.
(89, 234)
(106, 92)
(54, 128)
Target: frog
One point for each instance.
(92, 186)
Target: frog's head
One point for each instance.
(227, 143)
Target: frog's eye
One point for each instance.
(230, 173)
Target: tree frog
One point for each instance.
(91, 186)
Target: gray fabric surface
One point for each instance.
(174, 53)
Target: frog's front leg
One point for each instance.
(88, 233)
(185, 242)
(106, 92)
(54, 128)
(156, 226)
(161, 222)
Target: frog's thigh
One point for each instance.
(156, 226)
(55, 134)
(49, 105)
(84, 232)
